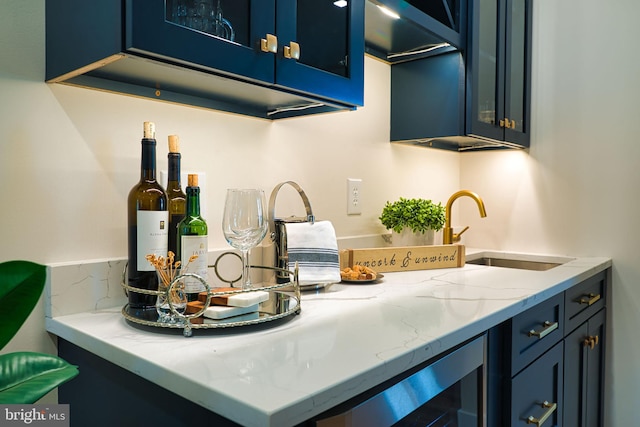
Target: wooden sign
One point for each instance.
(405, 258)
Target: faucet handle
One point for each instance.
(456, 236)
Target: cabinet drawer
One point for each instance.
(535, 331)
(537, 391)
(584, 300)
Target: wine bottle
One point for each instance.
(176, 197)
(148, 223)
(192, 240)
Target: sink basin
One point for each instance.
(532, 263)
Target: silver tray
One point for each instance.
(278, 306)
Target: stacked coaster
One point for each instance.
(240, 306)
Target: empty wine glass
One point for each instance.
(244, 224)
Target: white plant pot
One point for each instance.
(408, 238)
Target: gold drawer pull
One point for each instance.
(548, 327)
(269, 44)
(292, 51)
(551, 408)
(589, 299)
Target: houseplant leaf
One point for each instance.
(21, 284)
(26, 376)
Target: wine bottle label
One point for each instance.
(153, 232)
(189, 246)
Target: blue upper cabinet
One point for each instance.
(499, 66)
(264, 58)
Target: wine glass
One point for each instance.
(245, 224)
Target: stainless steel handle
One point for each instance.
(551, 408)
(548, 327)
(292, 51)
(269, 44)
(589, 299)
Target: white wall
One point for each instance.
(69, 156)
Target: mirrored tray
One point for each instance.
(278, 305)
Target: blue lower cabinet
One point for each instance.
(546, 366)
(584, 373)
(536, 392)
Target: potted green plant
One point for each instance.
(413, 221)
(25, 376)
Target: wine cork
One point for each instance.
(174, 144)
(149, 131)
(192, 180)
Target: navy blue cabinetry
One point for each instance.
(266, 58)
(499, 70)
(547, 364)
(474, 96)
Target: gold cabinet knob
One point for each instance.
(269, 44)
(292, 51)
(591, 341)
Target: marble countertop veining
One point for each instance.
(347, 338)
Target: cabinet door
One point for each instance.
(517, 78)
(485, 59)
(584, 374)
(536, 392)
(321, 48)
(223, 36)
(499, 66)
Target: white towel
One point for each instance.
(315, 247)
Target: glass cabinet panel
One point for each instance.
(487, 59)
(321, 45)
(319, 21)
(516, 71)
(228, 20)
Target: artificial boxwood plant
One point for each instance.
(25, 376)
(419, 215)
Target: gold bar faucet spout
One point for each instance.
(449, 236)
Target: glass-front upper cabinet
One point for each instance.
(322, 45)
(500, 66)
(313, 46)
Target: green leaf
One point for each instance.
(26, 376)
(21, 284)
(419, 215)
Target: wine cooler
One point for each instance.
(449, 391)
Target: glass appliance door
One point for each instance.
(448, 392)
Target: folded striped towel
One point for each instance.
(315, 247)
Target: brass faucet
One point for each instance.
(449, 236)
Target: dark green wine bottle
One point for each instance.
(176, 197)
(192, 240)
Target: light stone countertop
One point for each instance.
(347, 338)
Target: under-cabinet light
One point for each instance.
(340, 3)
(388, 12)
